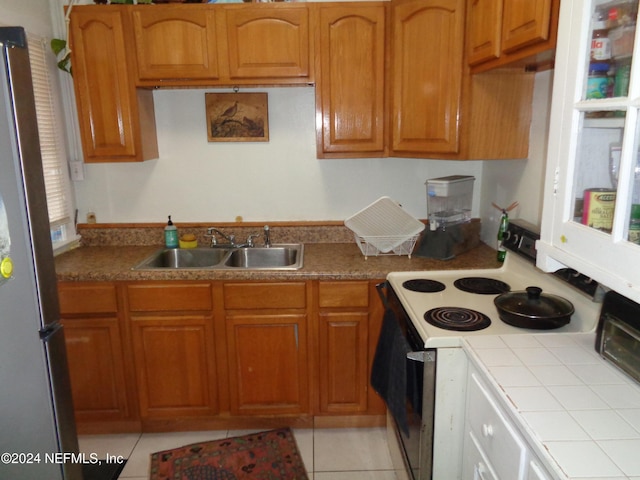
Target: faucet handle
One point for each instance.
(250, 239)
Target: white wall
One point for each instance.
(34, 15)
(194, 180)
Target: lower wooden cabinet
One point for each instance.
(268, 363)
(348, 328)
(342, 345)
(175, 365)
(173, 347)
(96, 368)
(165, 355)
(343, 369)
(101, 385)
(266, 329)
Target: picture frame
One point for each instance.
(237, 117)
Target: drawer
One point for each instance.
(87, 298)
(239, 296)
(343, 294)
(502, 445)
(165, 297)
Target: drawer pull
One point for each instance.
(479, 472)
(487, 430)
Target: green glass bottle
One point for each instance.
(504, 223)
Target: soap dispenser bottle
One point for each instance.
(170, 235)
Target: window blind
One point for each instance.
(49, 123)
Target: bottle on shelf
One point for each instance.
(504, 223)
(600, 42)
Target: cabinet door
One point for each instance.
(268, 363)
(117, 123)
(525, 22)
(427, 53)
(175, 365)
(350, 79)
(484, 26)
(343, 345)
(175, 42)
(592, 190)
(103, 91)
(268, 42)
(96, 368)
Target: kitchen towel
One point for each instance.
(389, 370)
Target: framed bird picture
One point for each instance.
(237, 117)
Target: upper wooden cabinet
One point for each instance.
(427, 52)
(222, 45)
(350, 79)
(117, 122)
(503, 32)
(439, 109)
(173, 42)
(268, 42)
(524, 23)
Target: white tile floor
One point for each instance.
(328, 454)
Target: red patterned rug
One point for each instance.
(271, 455)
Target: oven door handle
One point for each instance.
(381, 287)
(423, 356)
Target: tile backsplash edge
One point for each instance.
(132, 235)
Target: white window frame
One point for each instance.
(51, 126)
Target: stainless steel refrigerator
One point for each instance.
(37, 428)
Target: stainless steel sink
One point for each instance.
(276, 257)
(183, 258)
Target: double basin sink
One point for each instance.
(276, 257)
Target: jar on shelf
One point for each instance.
(600, 43)
(598, 80)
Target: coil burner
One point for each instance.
(424, 285)
(457, 318)
(481, 285)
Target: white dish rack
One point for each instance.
(384, 228)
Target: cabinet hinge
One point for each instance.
(556, 179)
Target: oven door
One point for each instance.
(417, 444)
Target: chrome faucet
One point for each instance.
(267, 236)
(231, 239)
(212, 232)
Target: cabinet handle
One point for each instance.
(295, 332)
(479, 472)
(487, 430)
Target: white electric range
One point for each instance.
(432, 446)
(517, 273)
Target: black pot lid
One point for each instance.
(532, 303)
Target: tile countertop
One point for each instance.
(579, 413)
(327, 261)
